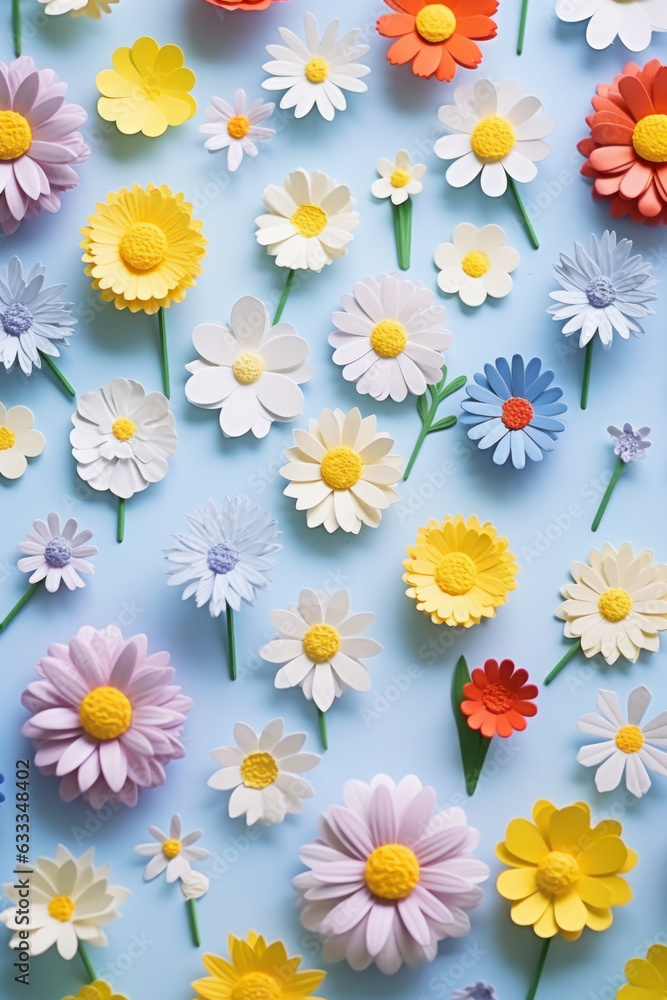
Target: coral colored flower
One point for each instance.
(498, 700)
(627, 148)
(257, 971)
(435, 37)
(647, 977)
(242, 4)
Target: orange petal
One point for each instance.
(394, 25)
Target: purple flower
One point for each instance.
(480, 991)
(629, 444)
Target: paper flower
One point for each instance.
(476, 263)
(498, 135)
(512, 409)
(340, 471)
(398, 181)
(18, 440)
(147, 90)
(172, 853)
(235, 126)
(256, 965)
(74, 901)
(57, 555)
(242, 4)
(105, 716)
(410, 875)
(93, 9)
(265, 772)
(195, 885)
(251, 370)
(97, 990)
(616, 605)
(479, 991)
(389, 337)
(632, 21)
(630, 445)
(316, 71)
(647, 976)
(436, 37)
(39, 144)
(628, 745)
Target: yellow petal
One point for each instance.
(631, 860)
(598, 920)
(570, 912)
(594, 891)
(144, 53)
(657, 954)
(508, 859)
(112, 84)
(644, 974)
(168, 59)
(154, 121)
(182, 79)
(174, 110)
(603, 857)
(517, 883)
(628, 992)
(542, 811)
(523, 839)
(218, 967)
(568, 828)
(529, 910)
(121, 61)
(621, 893)
(546, 926)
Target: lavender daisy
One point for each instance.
(630, 446)
(57, 556)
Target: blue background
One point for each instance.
(405, 724)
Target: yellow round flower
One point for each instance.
(459, 571)
(647, 977)
(257, 971)
(147, 90)
(98, 990)
(563, 874)
(143, 248)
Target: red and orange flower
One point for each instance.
(242, 4)
(497, 700)
(435, 37)
(627, 148)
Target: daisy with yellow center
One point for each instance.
(399, 181)
(459, 570)
(234, 127)
(476, 264)
(19, 441)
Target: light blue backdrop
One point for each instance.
(405, 724)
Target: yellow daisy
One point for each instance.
(459, 571)
(563, 874)
(98, 990)
(148, 88)
(256, 970)
(143, 248)
(647, 977)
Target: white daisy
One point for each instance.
(476, 263)
(195, 885)
(316, 70)
(90, 8)
(498, 131)
(251, 370)
(616, 605)
(320, 644)
(628, 746)
(173, 853)
(235, 126)
(390, 337)
(70, 901)
(398, 180)
(57, 556)
(265, 773)
(631, 20)
(19, 441)
(341, 472)
(310, 221)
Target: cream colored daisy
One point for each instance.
(398, 180)
(476, 263)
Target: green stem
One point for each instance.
(88, 964)
(522, 27)
(588, 361)
(19, 604)
(16, 26)
(473, 776)
(563, 660)
(524, 214)
(164, 355)
(120, 525)
(618, 469)
(324, 736)
(57, 372)
(283, 297)
(403, 232)
(231, 644)
(194, 922)
(534, 983)
(415, 451)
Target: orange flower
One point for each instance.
(498, 699)
(242, 4)
(435, 37)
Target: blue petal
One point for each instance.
(518, 380)
(547, 423)
(501, 454)
(533, 451)
(483, 428)
(470, 419)
(480, 393)
(548, 396)
(518, 453)
(495, 433)
(540, 438)
(496, 381)
(503, 368)
(532, 370)
(539, 385)
(488, 409)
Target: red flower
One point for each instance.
(498, 699)
(242, 4)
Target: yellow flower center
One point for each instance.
(392, 871)
(171, 848)
(309, 220)
(341, 468)
(435, 23)
(321, 642)
(7, 438)
(388, 338)
(455, 573)
(61, 908)
(257, 986)
(615, 604)
(124, 429)
(105, 713)
(259, 769)
(475, 263)
(557, 873)
(150, 91)
(238, 126)
(15, 135)
(492, 139)
(143, 246)
(649, 137)
(247, 367)
(316, 69)
(629, 739)
(399, 178)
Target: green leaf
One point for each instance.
(474, 747)
(440, 385)
(453, 386)
(423, 407)
(443, 424)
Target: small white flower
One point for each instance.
(628, 746)
(195, 885)
(629, 444)
(316, 71)
(398, 180)
(19, 441)
(235, 126)
(57, 556)
(476, 263)
(631, 20)
(90, 8)
(265, 773)
(172, 853)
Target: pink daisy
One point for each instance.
(389, 877)
(39, 143)
(106, 718)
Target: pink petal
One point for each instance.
(382, 816)
(414, 920)
(114, 764)
(75, 754)
(124, 666)
(57, 718)
(379, 926)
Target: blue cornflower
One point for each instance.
(33, 320)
